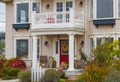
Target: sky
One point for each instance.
(2, 17)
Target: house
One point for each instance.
(58, 28)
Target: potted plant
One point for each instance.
(64, 65)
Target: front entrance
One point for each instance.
(64, 51)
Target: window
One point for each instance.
(104, 8)
(22, 48)
(22, 14)
(69, 5)
(38, 48)
(99, 41)
(91, 47)
(102, 40)
(56, 45)
(36, 7)
(91, 9)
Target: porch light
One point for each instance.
(81, 3)
(58, 37)
(82, 43)
(47, 6)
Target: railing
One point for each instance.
(37, 73)
(59, 19)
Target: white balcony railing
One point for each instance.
(58, 19)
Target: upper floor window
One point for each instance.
(36, 7)
(22, 12)
(104, 8)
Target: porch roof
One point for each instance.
(49, 31)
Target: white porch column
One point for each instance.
(71, 52)
(34, 55)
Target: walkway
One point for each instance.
(16, 80)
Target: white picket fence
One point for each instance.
(37, 74)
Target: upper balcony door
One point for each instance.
(61, 7)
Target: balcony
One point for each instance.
(69, 19)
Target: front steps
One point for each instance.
(73, 73)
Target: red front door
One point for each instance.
(64, 51)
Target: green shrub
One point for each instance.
(62, 80)
(3, 72)
(114, 76)
(51, 75)
(117, 65)
(12, 71)
(93, 73)
(25, 76)
(61, 74)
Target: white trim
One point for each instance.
(56, 56)
(19, 38)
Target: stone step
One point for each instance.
(73, 73)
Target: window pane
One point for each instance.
(91, 47)
(38, 48)
(91, 9)
(68, 5)
(104, 8)
(109, 39)
(119, 8)
(36, 7)
(22, 48)
(56, 47)
(99, 41)
(22, 12)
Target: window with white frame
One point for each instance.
(22, 12)
(36, 7)
(91, 9)
(22, 48)
(101, 40)
(104, 8)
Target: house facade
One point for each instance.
(59, 28)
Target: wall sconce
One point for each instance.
(47, 6)
(81, 3)
(46, 43)
(82, 43)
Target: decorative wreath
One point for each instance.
(65, 47)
